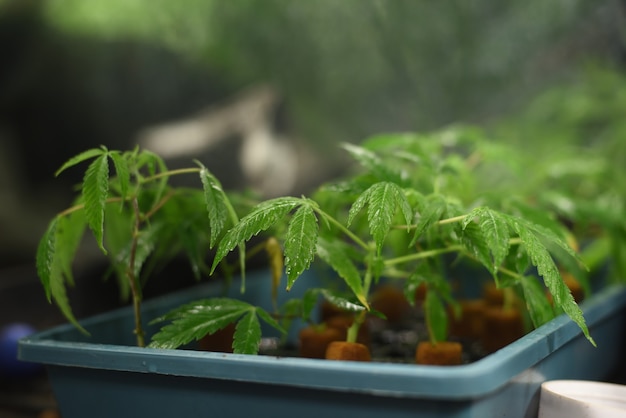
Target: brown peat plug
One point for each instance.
(343, 350)
(470, 321)
(501, 327)
(444, 353)
(315, 339)
(391, 302)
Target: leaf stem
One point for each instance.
(169, 173)
(422, 255)
(440, 222)
(353, 331)
(159, 205)
(343, 229)
(451, 220)
(81, 206)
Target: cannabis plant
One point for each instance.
(414, 202)
(414, 205)
(137, 219)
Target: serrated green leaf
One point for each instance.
(194, 320)
(146, 242)
(51, 274)
(300, 241)
(341, 302)
(537, 304)
(95, 191)
(373, 163)
(382, 200)
(522, 260)
(309, 302)
(436, 317)
(83, 156)
(495, 231)
(432, 212)
(247, 335)
(381, 142)
(45, 257)
(412, 284)
(269, 319)
(335, 255)
(214, 198)
(547, 269)
(59, 295)
(474, 242)
(70, 231)
(289, 311)
(262, 217)
(122, 172)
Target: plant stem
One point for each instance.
(170, 173)
(422, 254)
(452, 220)
(353, 331)
(440, 222)
(343, 229)
(81, 206)
(132, 279)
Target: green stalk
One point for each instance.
(343, 229)
(422, 255)
(353, 331)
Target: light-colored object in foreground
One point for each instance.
(582, 399)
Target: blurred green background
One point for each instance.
(76, 74)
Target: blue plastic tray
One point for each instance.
(105, 376)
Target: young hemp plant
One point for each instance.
(398, 218)
(137, 219)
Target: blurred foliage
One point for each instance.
(352, 67)
(576, 132)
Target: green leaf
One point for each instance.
(431, 213)
(382, 199)
(373, 163)
(334, 253)
(70, 231)
(215, 200)
(412, 284)
(122, 172)
(547, 235)
(51, 275)
(436, 317)
(473, 240)
(541, 258)
(537, 304)
(155, 164)
(289, 311)
(495, 231)
(95, 191)
(146, 242)
(247, 335)
(522, 260)
(300, 243)
(59, 295)
(262, 217)
(196, 319)
(45, 257)
(269, 319)
(341, 302)
(83, 156)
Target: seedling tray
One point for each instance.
(104, 375)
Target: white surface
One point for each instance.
(582, 399)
